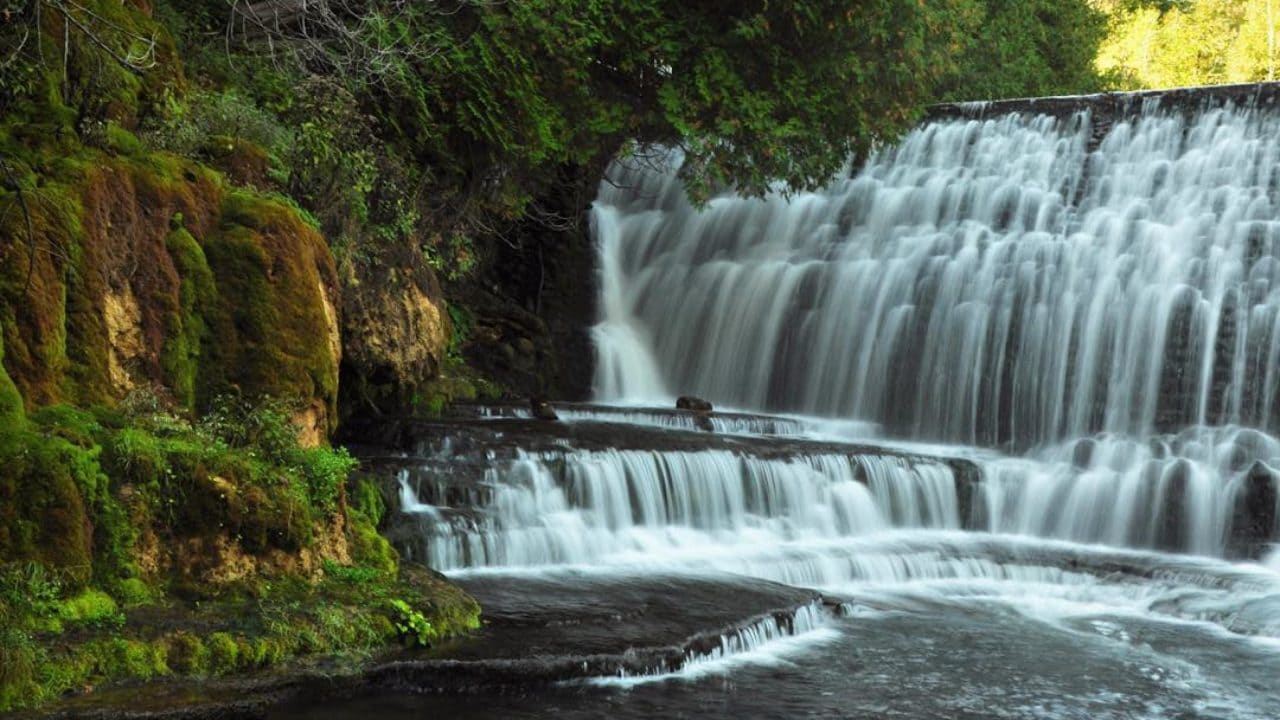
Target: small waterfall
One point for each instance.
(709, 654)
(790, 518)
(582, 507)
(991, 281)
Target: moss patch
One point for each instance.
(275, 334)
(136, 544)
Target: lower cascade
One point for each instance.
(1122, 555)
(999, 438)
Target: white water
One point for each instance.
(983, 282)
(578, 507)
(766, 641)
(581, 507)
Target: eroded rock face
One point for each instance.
(534, 296)
(176, 282)
(126, 349)
(395, 332)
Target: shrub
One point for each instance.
(191, 127)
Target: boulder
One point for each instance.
(542, 409)
(696, 404)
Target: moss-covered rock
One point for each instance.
(275, 330)
(143, 271)
(44, 511)
(12, 412)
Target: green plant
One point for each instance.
(326, 471)
(193, 128)
(261, 428)
(412, 626)
(463, 324)
(29, 595)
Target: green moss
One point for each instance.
(92, 608)
(33, 289)
(180, 357)
(272, 333)
(88, 377)
(125, 659)
(224, 653)
(133, 592)
(368, 548)
(43, 511)
(122, 141)
(365, 497)
(268, 651)
(12, 412)
(453, 385)
(185, 653)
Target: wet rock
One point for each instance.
(1253, 521)
(542, 409)
(1082, 453)
(696, 404)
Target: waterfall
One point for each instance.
(796, 517)
(1004, 281)
(580, 507)
(1105, 307)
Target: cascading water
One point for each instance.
(620, 506)
(1103, 308)
(985, 281)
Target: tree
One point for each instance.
(752, 92)
(1028, 48)
(1196, 42)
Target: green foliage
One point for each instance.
(29, 596)
(1197, 42)
(263, 427)
(463, 323)
(326, 471)
(412, 625)
(266, 430)
(351, 574)
(197, 125)
(1029, 48)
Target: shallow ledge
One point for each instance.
(1116, 104)
(253, 698)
